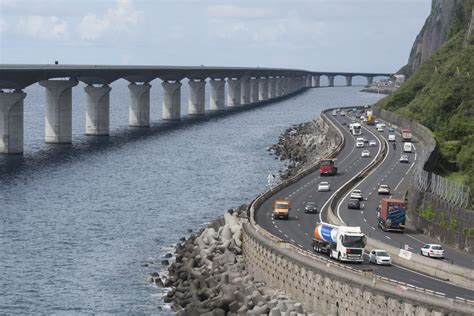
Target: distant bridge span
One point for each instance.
(245, 86)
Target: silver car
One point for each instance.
(372, 143)
(324, 186)
(379, 256)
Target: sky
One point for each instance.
(318, 35)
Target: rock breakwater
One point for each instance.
(209, 276)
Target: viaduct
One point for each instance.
(245, 86)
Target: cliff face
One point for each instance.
(434, 33)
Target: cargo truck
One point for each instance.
(281, 209)
(406, 135)
(370, 118)
(391, 215)
(327, 168)
(343, 243)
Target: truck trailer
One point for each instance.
(343, 243)
(391, 215)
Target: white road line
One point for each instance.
(403, 178)
(388, 237)
(286, 235)
(372, 227)
(410, 168)
(420, 241)
(280, 231)
(365, 220)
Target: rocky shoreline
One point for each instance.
(381, 90)
(302, 145)
(209, 276)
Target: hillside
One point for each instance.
(440, 95)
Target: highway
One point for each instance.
(396, 175)
(298, 230)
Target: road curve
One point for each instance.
(298, 229)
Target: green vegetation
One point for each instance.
(440, 95)
(440, 219)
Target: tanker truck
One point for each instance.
(343, 243)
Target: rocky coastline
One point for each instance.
(302, 145)
(209, 276)
(379, 90)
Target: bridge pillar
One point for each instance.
(139, 108)
(271, 87)
(217, 94)
(331, 81)
(263, 89)
(284, 85)
(348, 81)
(197, 97)
(11, 122)
(370, 80)
(97, 111)
(278, 87)
(316, 81)
(233, 92)
(245, 90)
(308, 81)
(254, 85)
(58, 112)
(171, 100)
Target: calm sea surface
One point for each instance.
(79, 222)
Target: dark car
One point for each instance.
(354, 204)
(310, 208)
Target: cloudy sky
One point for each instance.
(333, 35)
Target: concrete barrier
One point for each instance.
(328, 288)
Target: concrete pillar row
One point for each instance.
(233, 92)
(316, 81)
(370, 80)
(348, 81)
(139, 107)
(271, 87)
(197, 97)
(285, 85)
(254, 85)
(171, 100)
(58, 110)
(263, 89)
(11, 122)
(217, 102)
(331, 81)
(98, 109)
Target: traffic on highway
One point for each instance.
(373, 208)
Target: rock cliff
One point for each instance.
(435, 31)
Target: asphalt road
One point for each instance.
(299, 228)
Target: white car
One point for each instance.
(356, 194)
(324, 186)
(391, 137)
(404, 158)
(383, 189)
(334, 113)
(380, 129)
(342, 113)
(432, 250)
(365, 153)
(360, 144)
(379, 256)
(372, 143)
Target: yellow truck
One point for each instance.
(281, 209)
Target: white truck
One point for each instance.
(356, 129)
(344, 243)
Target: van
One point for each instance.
(281, 209)
(407, 147)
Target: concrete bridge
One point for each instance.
(245, 86)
